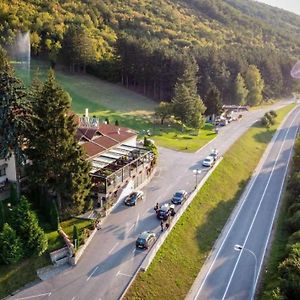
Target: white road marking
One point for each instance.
(137, 219)
(73, 298)
(35, 296)
(112, 249)
(131, 227)
(119, 273)
(92, 273)
(257, 210)
(233, 222)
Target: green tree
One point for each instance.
(10, 246)
(255, 85)
(187, 104)
(2, 215)
(213, 102)
(240, 90)
(163, 110)
(15, 116)
(25, 222)
(58, 162)
(289, 271)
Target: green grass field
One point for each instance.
(112, 101)
(181, 257)
(15, 276)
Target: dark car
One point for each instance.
(179, 197)
(133, 198)
(165, 211)
(145, 240)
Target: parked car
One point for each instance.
(214, 154)
(145, 240)
(133, 198)
(223, 122)
(208, 161)
(165, 211)
(179, 197)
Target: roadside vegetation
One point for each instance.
(282, 279)
(181, 257)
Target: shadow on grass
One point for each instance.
(208, 232)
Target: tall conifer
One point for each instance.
(58, 163)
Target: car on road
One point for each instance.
(208, 161)
(165, 211)
(133, 198)
(214, 154)
(179, 197)
(145, 240)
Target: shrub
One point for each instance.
(273, 113)
(294, 222)
(54, 218)
(293, 239)
(294, 184)
(265, 122)
(293, 208)
(10, 246)
(289, 271)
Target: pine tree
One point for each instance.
(25, 222)
(15, 116)
(187, 104)
(10, 246)
(240, 90)
(58, 162)
(255, 85)
(213, 101)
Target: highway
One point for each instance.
(111, 259)
(233, 273)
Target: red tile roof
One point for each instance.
(110, 136)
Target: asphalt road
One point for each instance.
(230, 274)
(111, 259)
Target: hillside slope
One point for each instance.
(145, 43)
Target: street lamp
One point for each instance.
(196, 173)
(240, 248)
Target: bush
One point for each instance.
(293, 209)
(265, 122)
(294, 222)
(289, 271)
(273, 113)
(54, 218)
(294, 184)
(10, 246)
(293, 239)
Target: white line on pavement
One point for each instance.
(131, 227)
(73, 298)
(137, 219)
(232, 224)
(92, 273)
(119, 273)
(257, 210)
(112, 249)
(35, 296)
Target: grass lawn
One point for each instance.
(112, 101)
(181, 257)
(13, 277)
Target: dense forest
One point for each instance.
(144, 44)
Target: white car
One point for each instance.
(214, 154)
(208, 161)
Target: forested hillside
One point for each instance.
(144, 43)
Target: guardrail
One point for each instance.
(153, 251)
